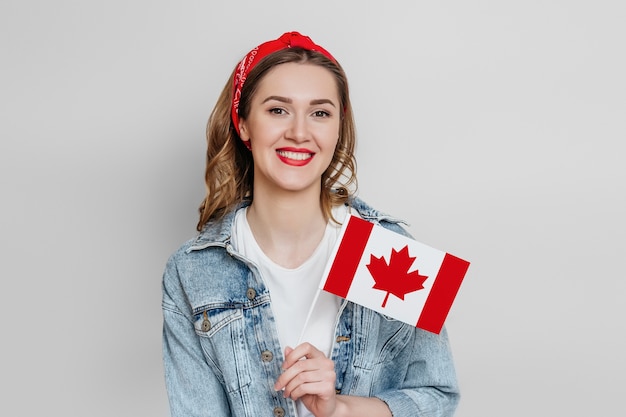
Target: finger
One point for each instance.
(302, 351)
(319, 382)
(292, 371)
(303, 371)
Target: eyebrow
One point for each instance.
(289, 101)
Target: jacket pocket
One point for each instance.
(221, 332)
(384, 339)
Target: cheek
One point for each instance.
(257, 130)
(331, 132)
(333, 136)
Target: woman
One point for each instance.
(246, 332)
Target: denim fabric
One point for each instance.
(222, 354)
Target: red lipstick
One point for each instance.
(295, 156)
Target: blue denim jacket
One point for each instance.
(222, 354)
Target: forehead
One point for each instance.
(293, 79)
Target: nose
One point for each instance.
(298, 130)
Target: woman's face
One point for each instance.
(293, 127)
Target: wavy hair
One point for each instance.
(229, 173)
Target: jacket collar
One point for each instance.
(220, 231)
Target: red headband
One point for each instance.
(287, 40)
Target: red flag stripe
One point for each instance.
(442, 293)
(348, 256)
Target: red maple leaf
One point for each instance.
(394, 277)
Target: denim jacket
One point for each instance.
(222, 354)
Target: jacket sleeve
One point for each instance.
(429, 388)
(193, 388)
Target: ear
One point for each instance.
(243, 131)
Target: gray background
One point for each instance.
(495, 128)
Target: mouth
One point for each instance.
(295, 157)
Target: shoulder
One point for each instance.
(207, 256)
(381, 218)
(202, 273)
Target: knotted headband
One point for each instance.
(287, 40)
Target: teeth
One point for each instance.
(298, 156)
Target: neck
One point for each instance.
(285, 218)
(288, 228)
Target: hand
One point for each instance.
(310, 376)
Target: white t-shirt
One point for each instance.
(293, 291)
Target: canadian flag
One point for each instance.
(393, 274)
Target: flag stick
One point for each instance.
(310, 313)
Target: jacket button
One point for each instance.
(279, 412)
(206, 324)
(251, 293)
(267, 356)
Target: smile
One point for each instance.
(294, 158)
(298, 156)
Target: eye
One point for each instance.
(277, 111)
(321, 113)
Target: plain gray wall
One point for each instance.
(494, 128)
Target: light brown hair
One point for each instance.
(229, 165)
